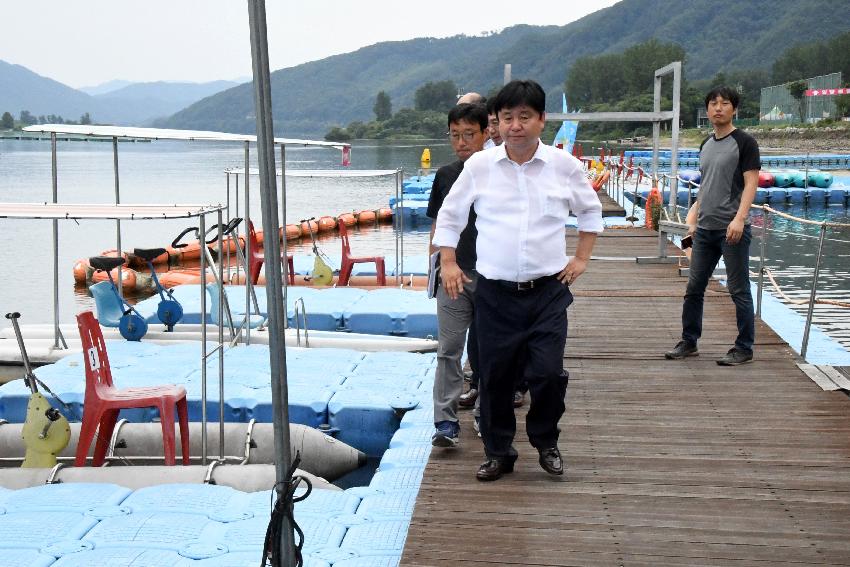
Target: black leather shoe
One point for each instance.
(683, 349)
(550, 460)
(493, 469)
(467, 399)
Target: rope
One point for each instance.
(792, 301)
(806, 221)
(282, 509)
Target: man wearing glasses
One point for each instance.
(467, 134)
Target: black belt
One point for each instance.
(525, 286)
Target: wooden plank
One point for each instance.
(818, 377)
(669, 462)
(837, 378)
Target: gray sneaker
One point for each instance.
(736, 356)
(682, 349)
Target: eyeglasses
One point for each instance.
(467, 136)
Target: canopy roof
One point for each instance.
(166, 134)
(321, 172)
(97, 211)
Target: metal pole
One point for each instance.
(220, 309)
(764, 221)
(248, 244)
(400, 208)
(203, 229)
(227, 178)
(656, 125)
(399, 177)
(117, 221)
(674, 140)
(236, 205)
(507, 75)
(54, 176)
(275, 306)
(283, 238)
(811, 310)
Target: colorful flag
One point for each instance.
(566, 136)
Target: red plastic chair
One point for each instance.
(348, 260)
(255, 262)
(103, 401)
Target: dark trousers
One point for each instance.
(521, 333)
(709, 246)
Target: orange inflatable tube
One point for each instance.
(347, 219)
(293, 231)
(366, 217)
(326, 224)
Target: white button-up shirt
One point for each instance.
(522, 211)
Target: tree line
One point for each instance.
(624, 82)
(25, 118)
(427, 119)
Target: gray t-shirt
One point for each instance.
(722, 163)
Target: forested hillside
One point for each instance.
(718, 36)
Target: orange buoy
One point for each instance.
(82, 271)
(128, 277)
(366, 217)
(385, 214)
(307, 226)
(293, 231)
(653, 208)
(326, 224)
(347, 219)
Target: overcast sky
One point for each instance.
(88, 42)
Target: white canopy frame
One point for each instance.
(398, 174)
(118, 212)
(128, 132)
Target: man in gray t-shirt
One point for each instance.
(718, 224)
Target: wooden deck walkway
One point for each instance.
(610, 207)
(669, 462)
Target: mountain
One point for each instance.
(21, 89)
(131, 104)
(106, 87)
(721, 35)
(140, 103)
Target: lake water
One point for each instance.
(193, 172)
(169, 172)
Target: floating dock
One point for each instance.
(668, 462)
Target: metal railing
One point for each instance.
(616, 188)
(764, 271)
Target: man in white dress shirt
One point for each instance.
(523, 192)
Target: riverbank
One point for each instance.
(789, 139)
